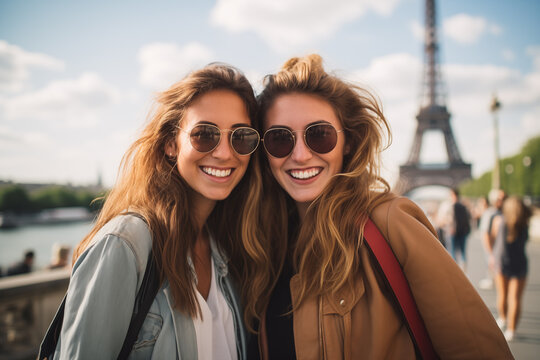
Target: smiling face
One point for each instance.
(303, 173)
(212, 175)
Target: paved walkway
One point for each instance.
(526, 344)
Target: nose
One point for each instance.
(223, 151)
(301, 153)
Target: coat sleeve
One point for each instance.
(99, 302)
(458, 322)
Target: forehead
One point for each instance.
(297, 110)
(221, 107)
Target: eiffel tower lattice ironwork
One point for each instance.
(433, 115)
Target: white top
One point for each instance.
(215, 332)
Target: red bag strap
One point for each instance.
(400, 287)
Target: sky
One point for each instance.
(78, 78)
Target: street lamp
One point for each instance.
(496, 178)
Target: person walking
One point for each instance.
(455, 219)
(495, 199)
(511, 232)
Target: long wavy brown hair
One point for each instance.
(325, 250)
(516, 217)
(149, 183)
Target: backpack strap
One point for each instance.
(393, 273)
(145, 296)
(143, 301)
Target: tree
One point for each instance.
(518, 174)
(14, 198)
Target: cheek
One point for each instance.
(244, 162)
(275, 165)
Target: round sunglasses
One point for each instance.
(206, 137)
(279, 142)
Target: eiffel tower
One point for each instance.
(433, 115)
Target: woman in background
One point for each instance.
(187, 193)
(511, 233)
(323, 138)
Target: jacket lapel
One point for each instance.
(186, 340)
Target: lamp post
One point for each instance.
(527, 162)
(496, 178)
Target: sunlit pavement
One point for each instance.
(526, 343)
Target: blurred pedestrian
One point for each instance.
(495, 198)
(60, 258)
(511, 232)
(478, 210)
(455, 219)
(24, 266)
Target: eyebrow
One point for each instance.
(234, 126)
(311, 123)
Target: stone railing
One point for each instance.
(27, 306)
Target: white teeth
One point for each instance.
(216, 172)
(305, 174)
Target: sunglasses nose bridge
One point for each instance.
(223, 149)
(301, 150)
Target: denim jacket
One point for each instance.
(101, 294)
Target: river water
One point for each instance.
(40, 238)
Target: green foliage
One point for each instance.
(54, 197)
(518, 174)
(15, 198)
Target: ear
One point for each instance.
(170, 148)
(347, 149)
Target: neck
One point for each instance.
(302, 209)
(202, 208)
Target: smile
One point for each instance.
(305, 174)
(220, 173)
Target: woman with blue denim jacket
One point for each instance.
(187, 192)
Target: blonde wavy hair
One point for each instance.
(150, 184)
(516, 217)
(325, 253)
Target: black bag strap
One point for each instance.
(143, 301)
(48, 345)
(145, 296)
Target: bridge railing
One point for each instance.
(27, 305)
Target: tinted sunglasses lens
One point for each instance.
(278, 142)
(244, 140)
(321, 138)
(204, 138)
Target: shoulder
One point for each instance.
(126, 230)
(397, 210)
(406, 228)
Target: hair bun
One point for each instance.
(312, 62)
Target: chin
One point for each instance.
(304, 198)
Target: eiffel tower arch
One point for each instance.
(433, 116)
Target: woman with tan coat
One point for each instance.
(321, 180)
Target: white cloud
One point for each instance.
(508, 55)
(16, 63)
(255, 78)
(393, 76)
(287, 23)
(531, 121)
(163, 64)
(74, 102)
(467, 29)
(495, 29)
(417, 30)
(534, 52)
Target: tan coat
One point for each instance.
(361, 323)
